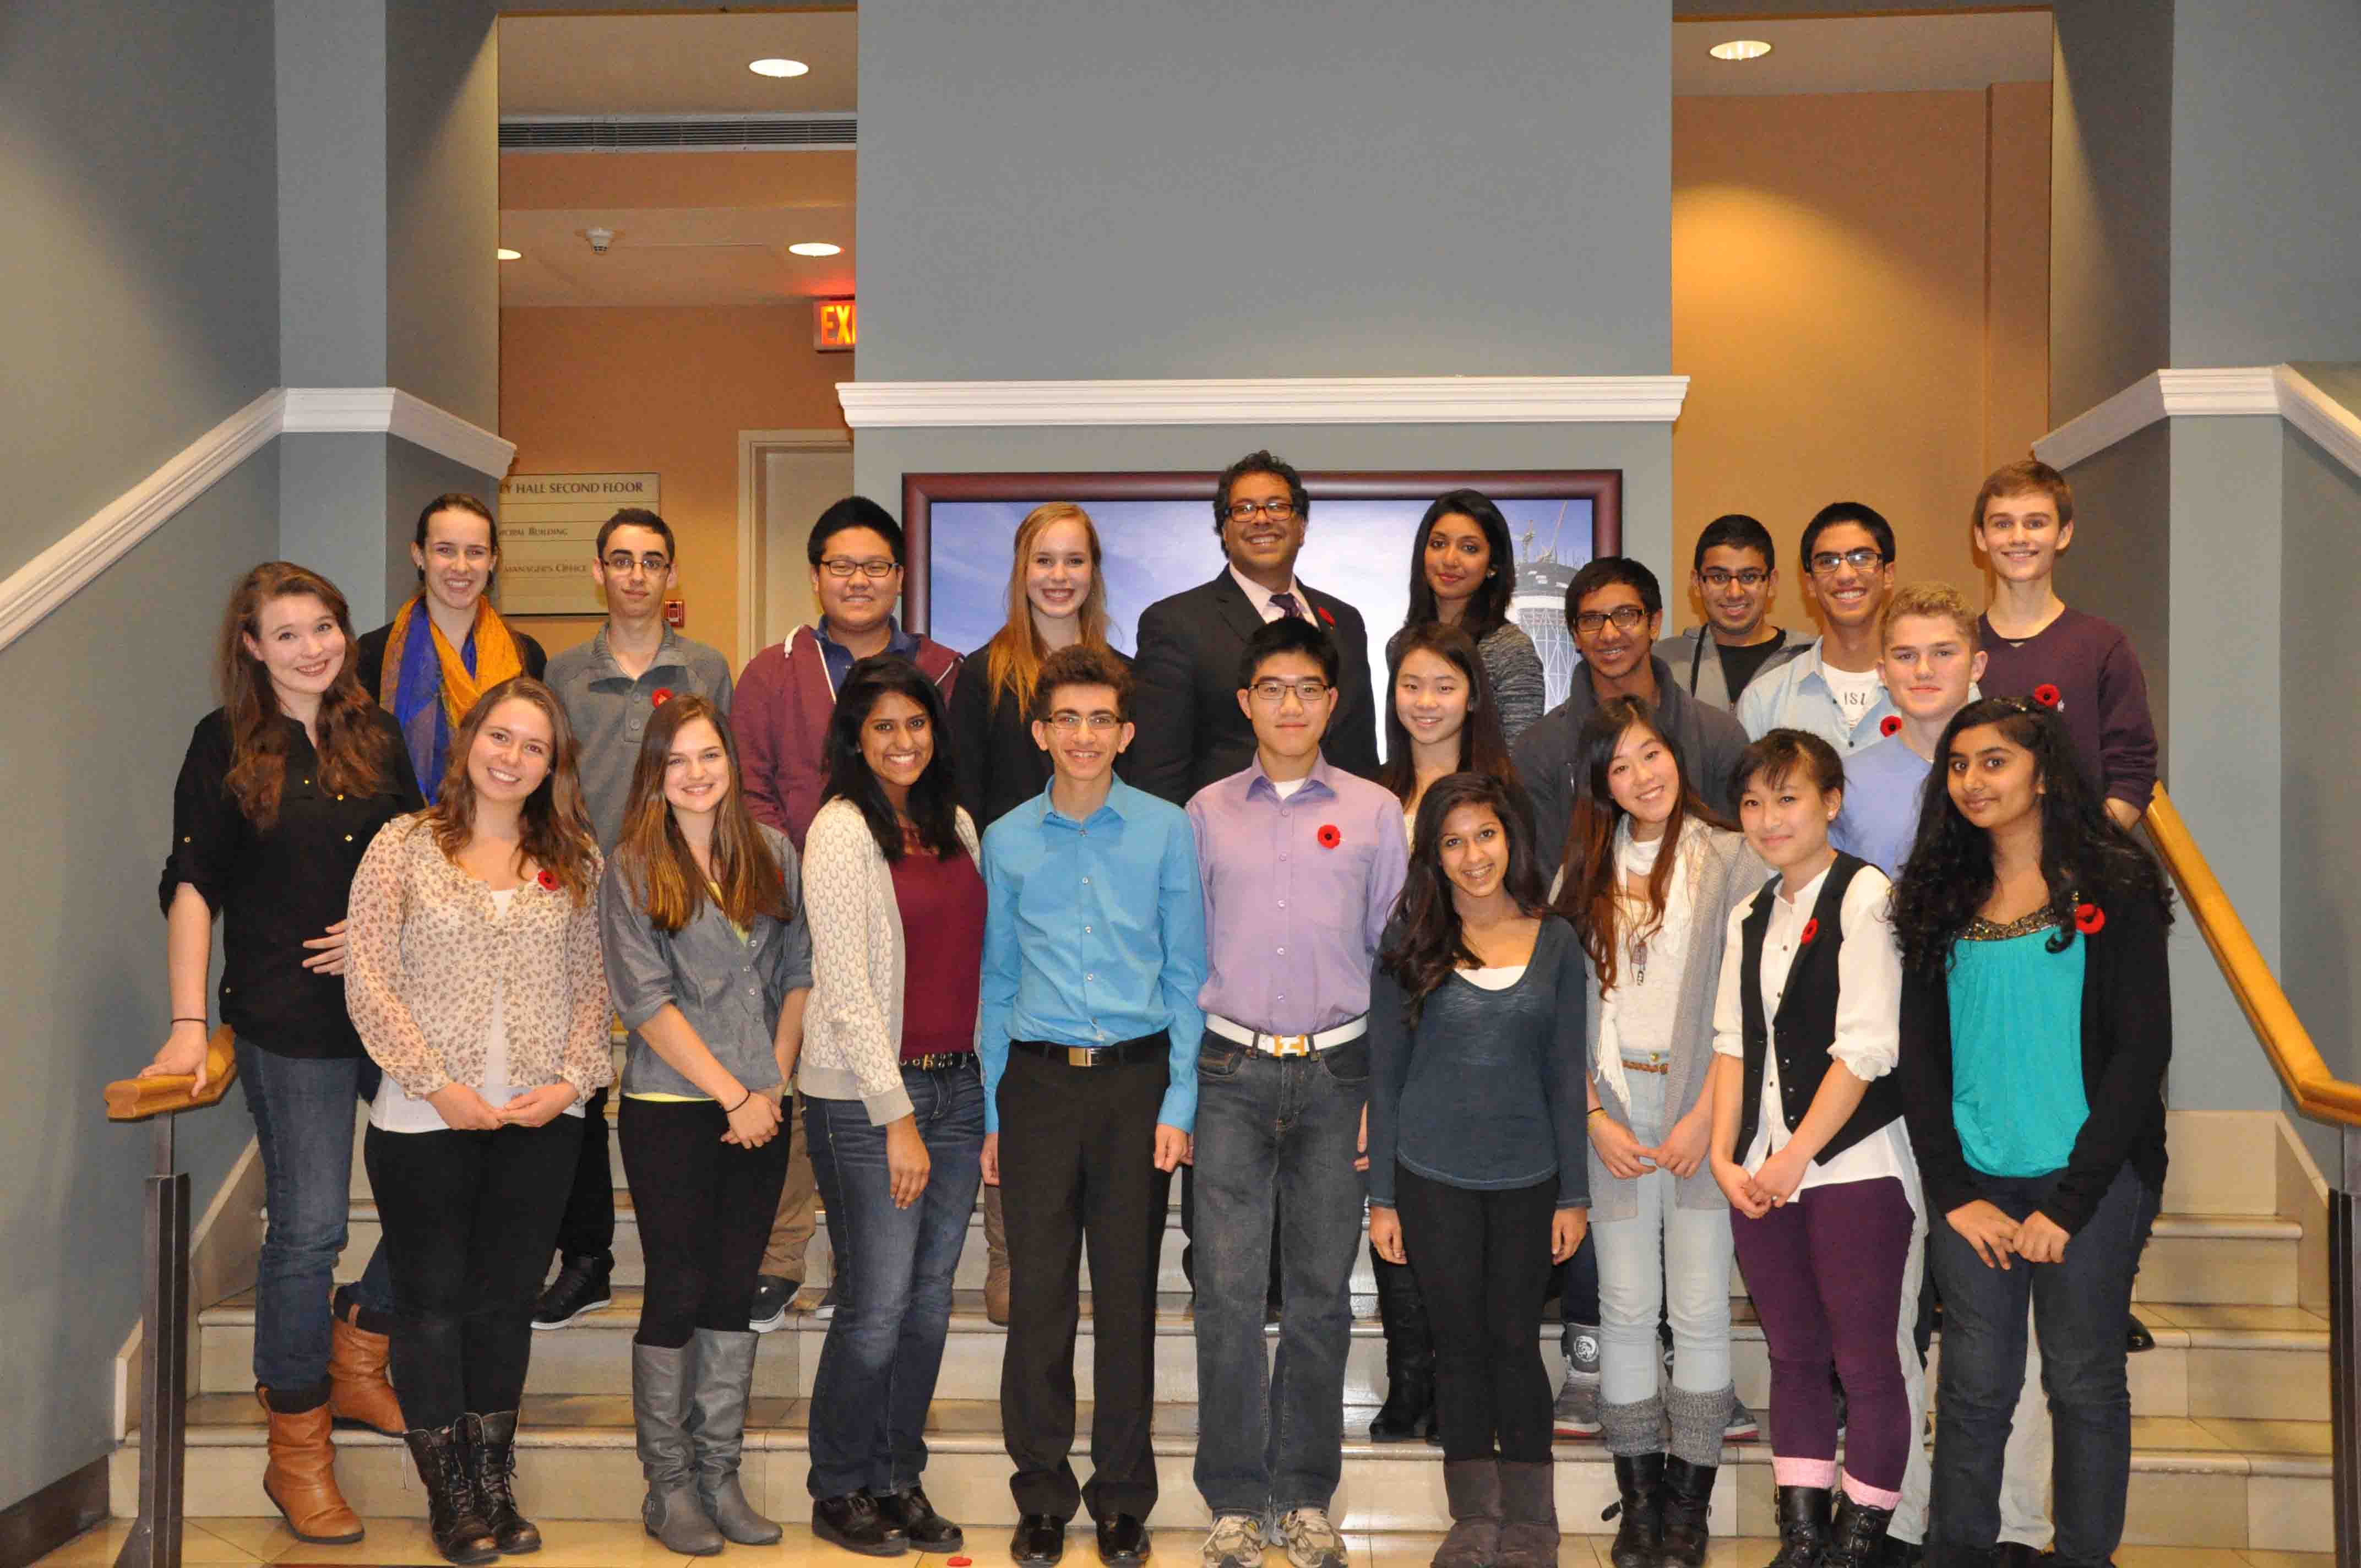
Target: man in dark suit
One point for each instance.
(1190, 728)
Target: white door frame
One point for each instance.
(754, 568)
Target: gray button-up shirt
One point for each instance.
(610, 711)
(729, 987)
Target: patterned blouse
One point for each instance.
(423, 948)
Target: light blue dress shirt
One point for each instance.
(1883, 786)
(1797, 696)
(1095, 935)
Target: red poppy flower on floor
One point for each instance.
(2045, 695)
(1329, 837)
(2090, 919)
(660, 696)
(1890, 725)
(1811, 929)
(547, 879)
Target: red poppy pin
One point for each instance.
(1890, 725)
(660, 696)
(1811, 929)
(2090, 919)
(1324, 615)
(2046, 694)
(1329, 837)
(548, 879)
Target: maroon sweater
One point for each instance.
(2103, 695)
(781, 711)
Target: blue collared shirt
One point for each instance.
(837, 659)
(1879, 821)
(1795, 696)
(1095, 935)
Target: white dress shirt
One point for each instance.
(1260, 596)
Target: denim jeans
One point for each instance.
(303, 1109)
(884, 1346)
(1665, 1257)
(1275, 1133)
(2078, 1306)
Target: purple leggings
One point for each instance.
(1825, 1272)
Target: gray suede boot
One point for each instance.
(1528, 1515)
(1473, 1487)
(1697, 1422)
(660, 1409)
(725, 1380)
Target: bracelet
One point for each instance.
(741, 1105)
(1597, 1110)
(188, 1020)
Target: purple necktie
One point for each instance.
(1285, 604)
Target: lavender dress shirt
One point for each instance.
(1293, 920)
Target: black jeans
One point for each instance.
(1077, 1163)
(704, 1211)
(587, 1227)
(2079, 1308)
(1483, 1262)
(468, 1219)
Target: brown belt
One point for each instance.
(1647, 1065)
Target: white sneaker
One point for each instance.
(1236, 1541)
(1312, 1540)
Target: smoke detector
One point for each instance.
(599, 238)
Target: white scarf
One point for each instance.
(1635, 858)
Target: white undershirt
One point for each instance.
(1288, 787)
(1856, 691)
(396, 1111)
(1498, 977)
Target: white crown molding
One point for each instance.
(56, 574)
(1407, 400)
(2235, 391)
(389, 410)
(2319, 416)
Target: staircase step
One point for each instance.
(2228, 1258)
(2205, 1484)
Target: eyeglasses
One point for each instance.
(1626, 617)
(622, 563)
(1715, 578)
(1067, 722)
(845, 566)
(1281, 510)
(1862, 558)
(1270, 694)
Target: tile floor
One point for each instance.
(234, 1543)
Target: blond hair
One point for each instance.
(1012, 660)
(1938, 601)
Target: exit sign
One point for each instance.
(832, 325)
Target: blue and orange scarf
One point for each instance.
(428, 686)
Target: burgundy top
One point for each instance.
(941, 902)
(2102, 696)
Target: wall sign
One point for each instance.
(549, 532)
(832, 325)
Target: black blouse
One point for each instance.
(275, 890)
(992, 755)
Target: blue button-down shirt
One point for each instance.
(837, 659)
(1095, 935)
(1795, 696)
(1883, 786)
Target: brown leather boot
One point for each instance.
(357, 1389)
(301, 1478)
(995, 1259)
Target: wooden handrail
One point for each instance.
(137, 1099)
(2318, 1092)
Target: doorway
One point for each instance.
(786, 480)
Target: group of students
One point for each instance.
(1593, 999)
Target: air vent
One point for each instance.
(676, 133)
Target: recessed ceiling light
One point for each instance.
(505, 254)
(1740, 49)
(777, 67)
(815, 247)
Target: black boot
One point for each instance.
(1408, 1413)
(1803, 1526)
(491, 1464)
(1857, 1535)
(1638, 1539)
(854, 1522)
(459, 1531)
(1688, 1498)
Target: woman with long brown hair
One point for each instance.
(477, 982)
(1056, 599)
(709, 970)
(1650, 879)
(283, 786)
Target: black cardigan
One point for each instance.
(2126, 1045)
(994, 758)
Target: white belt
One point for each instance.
(1287, 1044)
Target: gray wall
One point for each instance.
(146, 313)
(443, 184)
(2121, 562)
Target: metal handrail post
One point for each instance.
(155, 1539)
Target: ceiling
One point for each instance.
(1951, 53)
(690, 228)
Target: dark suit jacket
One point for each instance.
(1185, 698)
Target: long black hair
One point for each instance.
(1425, 943)
(1483, 748)
(934, 800)
(1488, 611)
(2086, 856)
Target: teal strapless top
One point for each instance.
(2016, 1049)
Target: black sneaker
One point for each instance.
(774, 1295)
(586, 1283)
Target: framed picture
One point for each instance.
(1155, 530)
